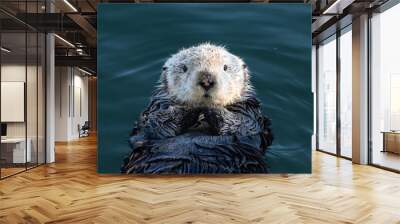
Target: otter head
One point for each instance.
(205, 75)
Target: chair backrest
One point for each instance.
(86, 125)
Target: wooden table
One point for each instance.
(391, 141)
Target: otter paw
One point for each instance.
(214, 117)
(191, 118)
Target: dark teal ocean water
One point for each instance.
(134, 40)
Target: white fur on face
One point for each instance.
(182, 73)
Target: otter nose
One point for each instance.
(207, 84)
(206, 80)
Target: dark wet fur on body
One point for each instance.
(173, 139)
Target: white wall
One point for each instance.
(61, 103)
(17, 73)
(80, 109)
(33, 126)
(71, 102)
(12, 73)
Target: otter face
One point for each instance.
(205, 75)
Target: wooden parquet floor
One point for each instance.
(70, 191)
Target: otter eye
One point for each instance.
(244, 66)
(164, 68)
(225, 67)
(184, 68)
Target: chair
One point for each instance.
(84, 130)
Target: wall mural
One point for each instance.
(204, 88)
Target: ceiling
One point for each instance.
(75, 21)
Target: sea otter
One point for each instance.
(202, 118)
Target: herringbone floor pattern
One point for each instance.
(70, 191)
